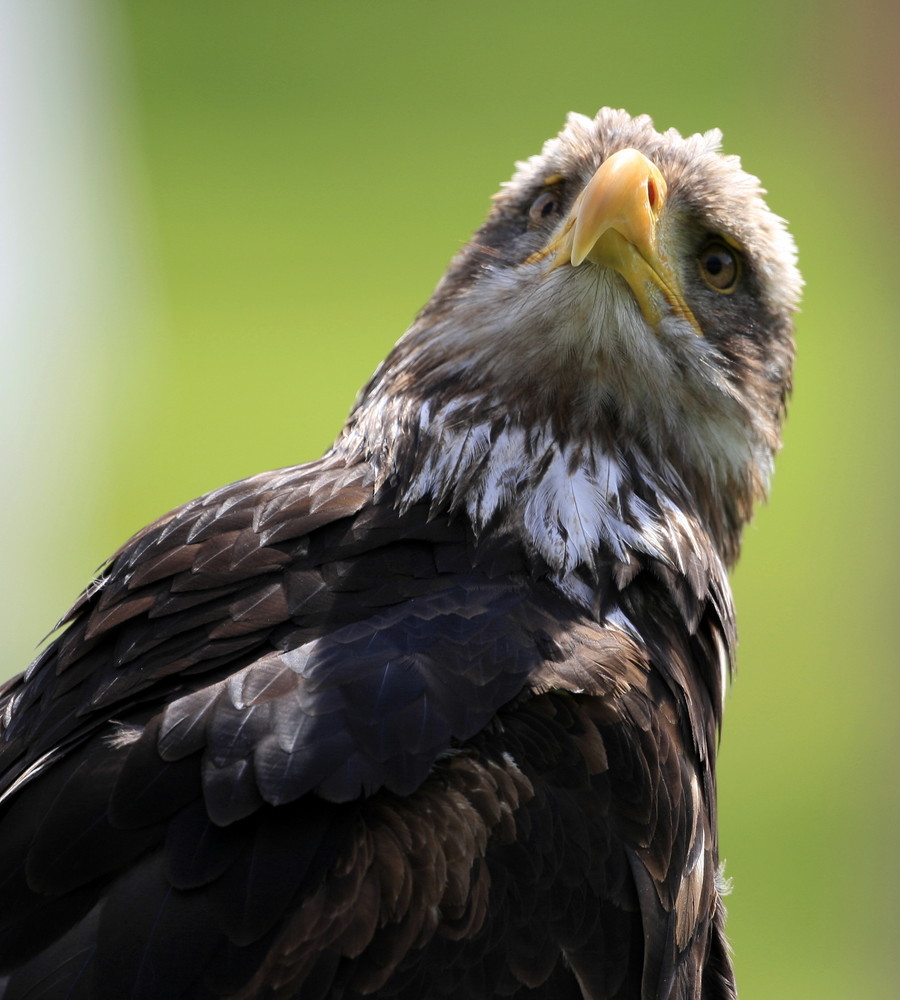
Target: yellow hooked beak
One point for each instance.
(613, 223)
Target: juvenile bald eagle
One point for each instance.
(436, 715)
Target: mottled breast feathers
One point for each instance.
(287, 635)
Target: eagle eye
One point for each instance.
(544, 207)
(719, 266)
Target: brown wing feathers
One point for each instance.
(524, 844)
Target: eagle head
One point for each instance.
(613, 345)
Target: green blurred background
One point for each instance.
(216, 218)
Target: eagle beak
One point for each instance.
(614, 223)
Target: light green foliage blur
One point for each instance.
(284, 183)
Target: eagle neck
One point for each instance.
(575, 503)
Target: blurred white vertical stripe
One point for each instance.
(71, 293)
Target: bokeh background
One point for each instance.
(216, 218)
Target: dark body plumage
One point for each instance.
(436, 715)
